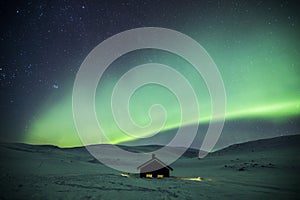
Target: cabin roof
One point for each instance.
(154, 158)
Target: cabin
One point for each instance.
(154, 168)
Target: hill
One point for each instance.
(260, 169)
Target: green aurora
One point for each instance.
(260, 82)
(260, 70)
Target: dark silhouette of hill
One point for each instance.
(234, 132)
(270, 144)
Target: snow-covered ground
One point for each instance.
(261, 169)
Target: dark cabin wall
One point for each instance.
(163, 171)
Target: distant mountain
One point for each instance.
(234, 131)
(271, 144)
(263, 145)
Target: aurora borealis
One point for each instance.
(254, 44)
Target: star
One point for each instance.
(55, 86)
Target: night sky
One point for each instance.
(255, 45)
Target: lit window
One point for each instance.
(148, 175)
(160, 176)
